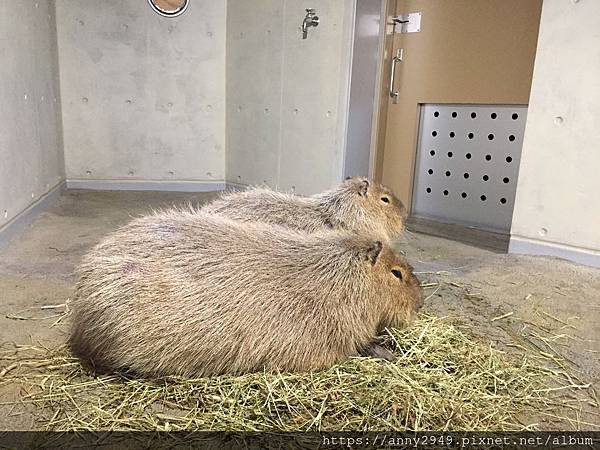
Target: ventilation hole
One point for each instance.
(483, 198)
(448, 173)
(485, 178)
(468, 156)
(450, 154)
(446, 192)
(473, 115)
(506, 180)
(432, 152)
(436, 114)
(511, 137)
(466, 175)
(434, 133)
(509, 159)
(463, 195)
(430, 171)
(470, 135)
(491, 137)
(493, 115)
(488, 157)
(515, 116)
(428, 190)
(503, 200)
(454, 114)
(452, 134)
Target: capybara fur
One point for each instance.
(195, 294)
(357, 204)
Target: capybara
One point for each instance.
(357, 204)
(196, 294)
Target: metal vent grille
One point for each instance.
(467, 164)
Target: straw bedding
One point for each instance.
(442, 379)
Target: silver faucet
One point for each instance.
(311, 20)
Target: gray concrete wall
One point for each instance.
(287, 97)
(143, 96)
(31, 161)
(557, 211)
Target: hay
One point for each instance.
(442, 380)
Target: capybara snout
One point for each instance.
(397, 276)
(383, 212)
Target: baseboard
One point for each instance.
(489, 240)
(18, 223)
(231, 186)
(528, 246)
(146, 185)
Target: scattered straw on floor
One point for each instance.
(441, 380)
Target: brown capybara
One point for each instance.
(196, 294)
(357, 204)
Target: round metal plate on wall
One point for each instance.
(169, 8)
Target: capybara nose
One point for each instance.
(420, 301)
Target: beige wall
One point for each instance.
(31, 158)
(468, 51)
(286, 96)
(557, 208)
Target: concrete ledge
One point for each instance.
(527, 246)
(489, 240)
(231, 186)
(18, 223)
(144, 185)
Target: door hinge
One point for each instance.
(407, 23)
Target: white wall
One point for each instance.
(287, 97)
(31, 162)
(557, 209)
(143, 96)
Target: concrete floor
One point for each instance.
(473, 285)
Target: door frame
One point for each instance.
(377, 115)
(386, 36)
(379, 85)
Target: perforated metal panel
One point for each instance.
(467, 164)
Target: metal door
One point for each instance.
(468, 163)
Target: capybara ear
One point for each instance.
(374, 251)
(363, 188)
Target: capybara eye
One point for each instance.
(385, 199)
(397, 273)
